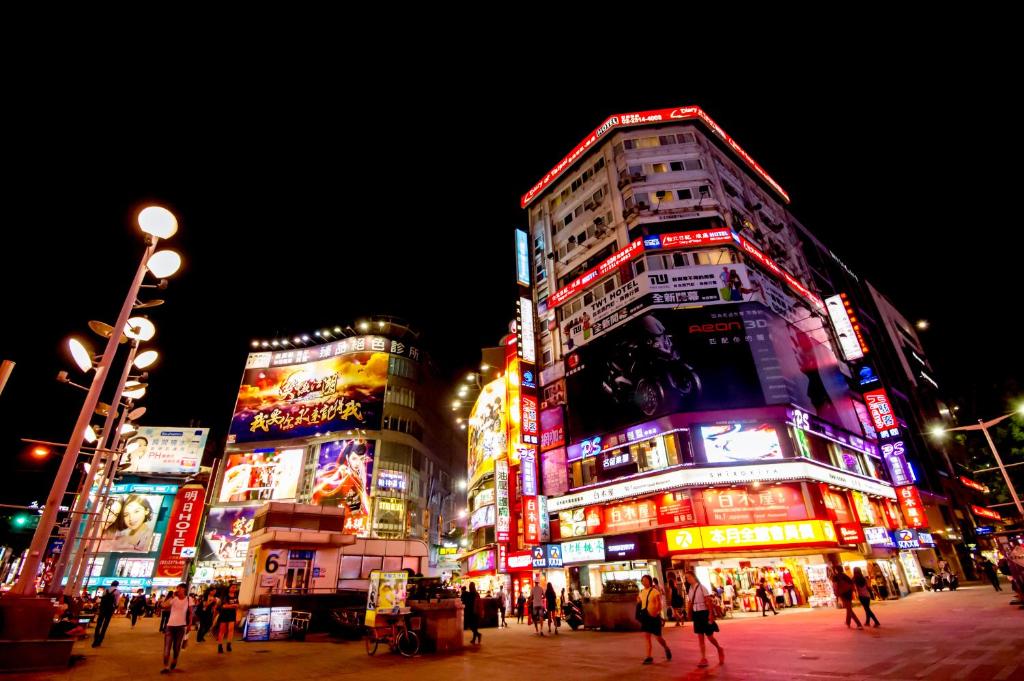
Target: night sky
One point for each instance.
(298, 213)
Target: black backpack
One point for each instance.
(107, 602)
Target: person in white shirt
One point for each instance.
(179, 622)
(699, 606)
(537, 602)
(502, 604)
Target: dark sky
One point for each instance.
(298, 212)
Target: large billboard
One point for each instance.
(343, 474)
(262, 475)
(160, 450)
(332, 393)
(488, 430)
(130, 523)
(723, 357)
(226, 534)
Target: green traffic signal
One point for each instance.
(21, 520)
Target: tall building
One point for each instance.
(697, 408)
(351, 419)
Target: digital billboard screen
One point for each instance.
(261, 475)
(343, 474)
(129, 523)
(226, 534)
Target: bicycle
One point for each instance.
(397, 634)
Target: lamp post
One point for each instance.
(157, 223)
(983, 426)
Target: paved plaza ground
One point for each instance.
(969, 634)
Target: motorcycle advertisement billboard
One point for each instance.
(702, 359)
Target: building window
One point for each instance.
(648, 143)
(713, 256)
(599, 164)
(684, 194)
(729, 189)
(665, 140)
(704, 191)
(547, 357)
(676, 166)
(693, 164)
(567, 219)
(660, 167)
(685, 138)
(578, 212)
(639, 267)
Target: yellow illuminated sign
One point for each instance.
(729, 537)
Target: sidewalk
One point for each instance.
(971, 633)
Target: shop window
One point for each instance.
(583, 472)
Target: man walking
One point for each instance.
(989, 568)
(179, 622)
(537, 603)
(106, 610)
(502, 604)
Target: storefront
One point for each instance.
(481, 569)
(602, 564)
(792, 581)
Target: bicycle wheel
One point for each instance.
(408, 643)
(372, 642)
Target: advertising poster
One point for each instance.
(261, 475)
(554, 472)
(226, 534)
(182, 531)
(280, 623)
(257, 624)
(334, 393)
(129, 523)
(749, 505)
(387, 592)
(174, 451)
(740, 442)
(552, 428)
(343, 474)
(502, 515)
(724, 357)
(482, 517)
(482, 561)
(488, 437)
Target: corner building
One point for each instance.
(696, 409)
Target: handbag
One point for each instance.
(641, 610)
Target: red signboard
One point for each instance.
(985, 512)
(891, 515)
(696, 238)
(182, 530)
(773, 267)
(639, 118)
(749, 505)
(636, 515)
(967, 482)
(502, 557)
(880, 407)
(912, 506)
(528, 422)
(838, 505)
(850, 533)
(676, 508)
(520, 560)
(531, 520)
(612, 263)
(552, 428)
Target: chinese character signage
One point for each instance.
(545, 521)
(165, 450)
(583, 551)
(985, 513)
(880, 408)
(343, 474)
(528, 468)
(843, 320)
(526, 342)
(540, 557)
(838, 505)
(759, 535)
(554, 555)
(894, 456)
(261, 475)
(675, 508)
(482, 517)
(520, 560)
(182, 530)
(531, 520)
(226, 534)
(878, 536)
(529, 429)
(912, 506)
(522, 258)
(754, 505)
(907, 539)
(849, 533)
(636, 515)
(502, 521)
(391, 480)
(552, 428)
(311, 396)
(967, 482)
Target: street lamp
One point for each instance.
(983, 426)
(157, 223)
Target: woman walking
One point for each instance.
(649, 610)
(844, 587)
(699, 609)
(520, 607)
(227, 618)
(551, 601)
(864, 594)
(207, 609)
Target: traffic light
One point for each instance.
(24, 521)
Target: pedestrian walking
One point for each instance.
(179, 623)
(227, 617)
(137, 606)
(471, 602)
(648, 610)
(520, 607)
(106, 610)
(843, 587)
(207, 609)
(551, 604)
(164, 612)
(990, 571)
(765, 596)
(537, 605)
(700, 610)
(677, 603)
(864, 595)
(502, 605)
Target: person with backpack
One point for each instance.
(137, 606)
(864, 595)
(106, 610)
(648, 611)
(844, 588)
(700, 607)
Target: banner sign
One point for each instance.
(182, 531)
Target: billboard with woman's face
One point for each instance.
(129, 523)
